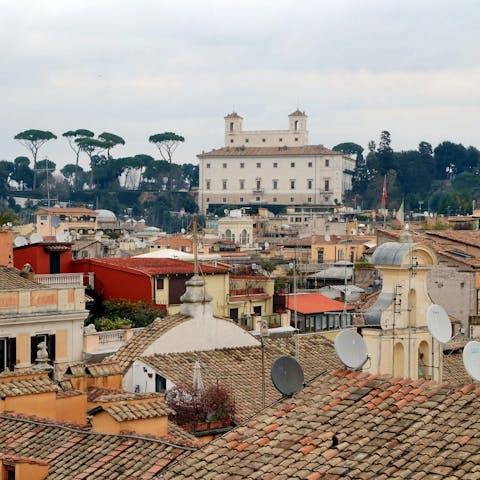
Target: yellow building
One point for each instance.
(398, 340)
(75, 221)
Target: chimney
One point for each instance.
(6, 248)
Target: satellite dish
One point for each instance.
(20, 241)
(61, 236)
(55, 221)
(36, 238)
(471, 359)
(287, 375)
(439, 324)
(351, 349)
(327, 237)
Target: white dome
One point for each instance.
(105, 215)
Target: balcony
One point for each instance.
(61, 280)
(110, 341)
(258, 191)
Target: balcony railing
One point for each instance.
(66, 279)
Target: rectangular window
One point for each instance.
(241, 199)
(327, 185)
(224, 184)
(292, 184)
(292, 199)
(296, 139)
(160, 383)
(257, 199)
(43, 218)
(257, 310)
(309, 200)
(310, 164)
(246, 140)
(259, 184)
(292, 164)
(327, 162)
(309, 184)
(275, 165)
(224, 199)
(208, 165)
(207, 184)
(234, 314)
(242, 184)
(8, 353)
(280, 139)
(35, 342)
(274, 199)
(242, 165)
(275, 184)
(224, 165)
(259, 165)
(160, 284)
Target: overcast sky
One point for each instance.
(135, 68)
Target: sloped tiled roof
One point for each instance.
(269, 151)
(10, 279)
(138, 410)
(240, 369)
(351, 425)
(74, 453)
(27, 386)
(135, 347)
(67, 210)
(155, 266)
(307, 303)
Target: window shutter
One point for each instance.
(51, 347)
(11, 353)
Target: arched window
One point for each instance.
(244, 237)
(231, 126)
(398, 361)
(296, 125)
(424, 360)
(228, 234)
(413, 308)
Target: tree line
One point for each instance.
(138, 171)
(444, 179)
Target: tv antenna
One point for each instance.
(287, 375)
(351, 349)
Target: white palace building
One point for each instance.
(272, 167)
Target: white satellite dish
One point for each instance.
(36, 238)
(327, 237)
(471, 359)
(351, 349)
(439, 324)
(61, 236)
(20, 241)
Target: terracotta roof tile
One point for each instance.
(269, 151)
(314, 303)
(27, 386)
(155, 266)
(434, 439)
(135, 347)
(72, 452)
(138, 410)
(239, 368)
(10, 279)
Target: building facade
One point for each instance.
(273, 167)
